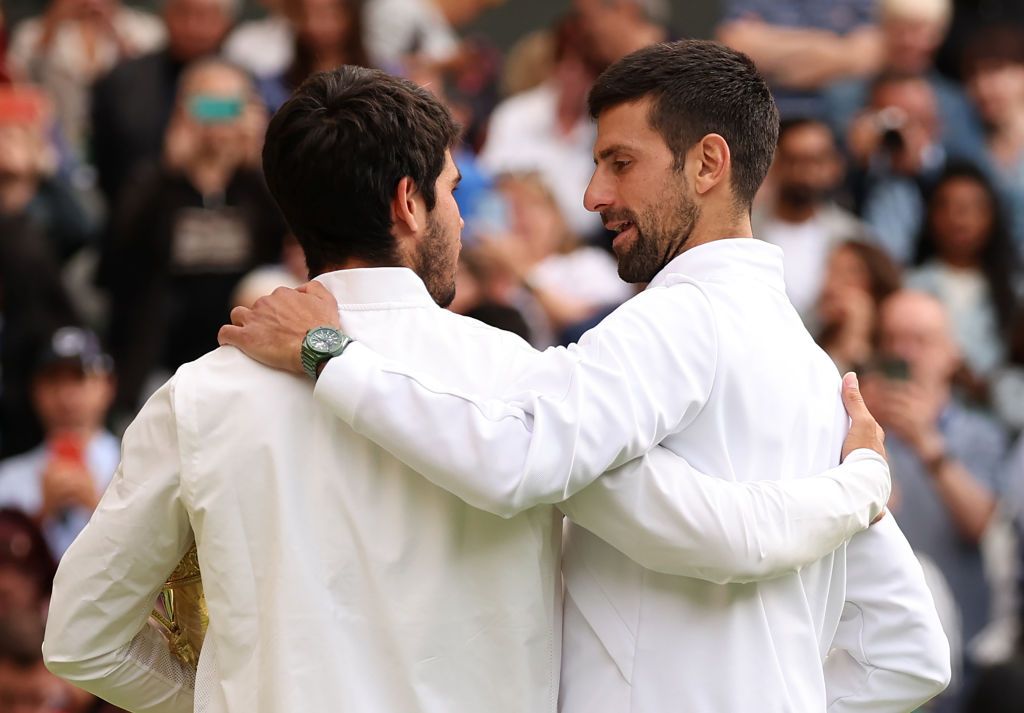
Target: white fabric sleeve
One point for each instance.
(644, 372)
(668, 517)
(889, 653)
(97, 633)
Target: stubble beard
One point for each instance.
(659, 238)
(435, 264)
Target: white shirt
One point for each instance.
(523, 136)
(337, 578)
(712, 362)
(396, 28)
(265, 47)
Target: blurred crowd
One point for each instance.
(133, 217)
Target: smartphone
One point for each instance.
(67, 447)
(894, 368)
(211, 109)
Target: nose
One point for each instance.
(598, 195)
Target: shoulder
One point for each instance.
(19, 475)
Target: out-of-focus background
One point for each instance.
(133, 217)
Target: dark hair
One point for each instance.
(698, 88)
(883, 273)
(352, 45)
(23, 547)
(997, 258)
(999, 45)
(799, 122)
(336, 151)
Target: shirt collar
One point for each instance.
(380, 286)
(727, 260)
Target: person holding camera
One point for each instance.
(946, 459)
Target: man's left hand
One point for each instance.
(272, 331)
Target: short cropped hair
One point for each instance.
(698, 88)
(336, 151)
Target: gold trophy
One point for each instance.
(181, 612)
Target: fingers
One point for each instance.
(240, 316)
(853, 400)
(230, 335)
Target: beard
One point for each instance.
(436, 264)
(661, 234)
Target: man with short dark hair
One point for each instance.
(337, 578)
(712, 362)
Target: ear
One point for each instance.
(404, 213)
(713, 163)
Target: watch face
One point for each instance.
(324, 340)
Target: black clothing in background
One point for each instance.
(131, 107)
(33, 305)
(173, 261)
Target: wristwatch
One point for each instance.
(321, 345)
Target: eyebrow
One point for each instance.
(605, 153)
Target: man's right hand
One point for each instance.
(864, 429)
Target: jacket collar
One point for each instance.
(388, 287)
(727, 260)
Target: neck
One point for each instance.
(735, 226)
(352, 263)
(211, 175)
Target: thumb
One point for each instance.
(853, 400)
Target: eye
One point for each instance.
(620, 165)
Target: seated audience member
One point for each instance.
(328, 34)
(859, 276)
(1006, 386)
(614, 28)
(547, 130)
(894, 144)
(28, 184)
(131, 106)
(425, 29)
(263, 46)
(73, 43)
(33, 304)
(946, 460)
(912, 31)
(801, 216)
(26, 567)
(965, 259)
(187, 230)
(803, 47)
(60, 482)
(994, 71)
(570, 283)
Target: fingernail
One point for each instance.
(851, 380)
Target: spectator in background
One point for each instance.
(72, 44)
(912, 31)
(187, 230)
(803, 46)
(28, 183)
(547, 130)
(614, 28)
(994, 70)
(426, 29)
(1006, 388)
(26, 567)
(328, 34)
(965, 259)
(946, 460)
(59, 483)
(894, 144)
(802, 217)
(5, 72)
(132, 104)
(32, 304)
(263, 46)
(291, 271)
(544, 263)
(859, 276)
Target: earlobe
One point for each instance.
(403, 207)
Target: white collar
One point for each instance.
(727, 260)
(379, 286)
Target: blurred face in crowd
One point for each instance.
(462, 12)
(807, 165)
(31, 689)
(19, 592)
(534, 216)
(214, 86)
(913, 102)
(915, 328)
(911, 42)
(961, 220)
(323, 25)
(998, 91)
(22, 151)
(435, 254)
(66, 399)
(640, 192)
(196, 28)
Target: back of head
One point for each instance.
(336, 151)
(698, 87)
